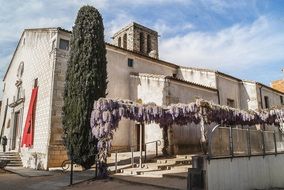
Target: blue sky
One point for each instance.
(244, 38)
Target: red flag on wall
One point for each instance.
(28, 135)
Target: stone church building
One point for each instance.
(34, 84)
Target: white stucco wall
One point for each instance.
(34, 50)
(273, 97)
(199, 76)
(248, 97)
(186, 93)
(228, 89)
(245, 173)
(119, 86)
(119, 72)
(163, 91)
(149, 90)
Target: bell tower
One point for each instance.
(138, 38)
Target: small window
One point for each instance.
(141, 42)
(130, 62)
(64, 44)
(281, 100)
(266, 101)
(149, 48)
(125, 41)
(119, 42)
(175, 75)
(230, 103)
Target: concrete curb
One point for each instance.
(141, 183)
(24, 175)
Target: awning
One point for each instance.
(28, 135)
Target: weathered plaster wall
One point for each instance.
(228, 89)
(273, 97)
(186, 139)
(248, 96)
(163, 91)
(119, 86)
(150, 89)
(34, 50)
(199, 76)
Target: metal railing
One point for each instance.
(132, 148)
(236, 142)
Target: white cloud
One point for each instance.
(238, 47)
(164, 28)
(121, 20)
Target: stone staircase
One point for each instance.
(13, 158)
(165, 173)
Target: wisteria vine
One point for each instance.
(108, 112)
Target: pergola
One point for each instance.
(108, 112)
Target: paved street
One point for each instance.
(110, 185)
(28, 179)
(15, 182)
(59, 181)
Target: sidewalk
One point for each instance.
(27, 172)
(29, 179)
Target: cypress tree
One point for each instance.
(86, 81)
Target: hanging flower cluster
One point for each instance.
(107, 113)
(231, 116)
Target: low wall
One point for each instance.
(243, 173)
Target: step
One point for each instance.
(166, 173)
(13, 157)
(10, 157)
(15, 162)
(9, 154)
(14, 165)
(185, 156)
(174, 161)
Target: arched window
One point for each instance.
(125, 41)
(141, 42)
(119, 42)
(20, 70)
(149, 48)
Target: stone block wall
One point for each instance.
(57, 151)
(133, 32)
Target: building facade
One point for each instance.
(135, 72)
(278, 84)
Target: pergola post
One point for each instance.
(140, 145)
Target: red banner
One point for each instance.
(28, 135)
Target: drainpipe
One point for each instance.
(261, 104)
(218, 96)
(260, 93)
(217, 86)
